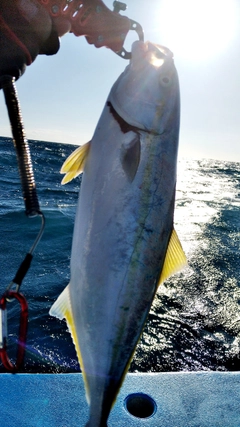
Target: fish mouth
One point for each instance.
(166, 51)
(147, 53)
(147, 49)
(159, 50)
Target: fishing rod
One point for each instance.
(32, 209)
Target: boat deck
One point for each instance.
(182, 399)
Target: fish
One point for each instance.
(124, 242)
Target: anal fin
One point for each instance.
(62, 310)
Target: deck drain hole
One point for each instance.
(140, 405)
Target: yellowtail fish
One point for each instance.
(124, 244)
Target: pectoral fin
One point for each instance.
(62, 310)
(130, 156)
(175, 258)
(75, 163)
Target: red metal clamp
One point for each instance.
(9, 366)
(92, 19)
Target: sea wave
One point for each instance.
(194, 323)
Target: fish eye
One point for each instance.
(165, 81)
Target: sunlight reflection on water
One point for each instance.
(194, 322)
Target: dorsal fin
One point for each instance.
(175, 258)
(74, 164)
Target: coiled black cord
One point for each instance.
(7, 83)
(21, 146)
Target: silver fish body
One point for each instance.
(123, 224)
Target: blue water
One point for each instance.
(194, 323)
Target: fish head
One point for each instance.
(146, 95)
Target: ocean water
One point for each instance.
(194, 323)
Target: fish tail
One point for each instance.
(98, 415)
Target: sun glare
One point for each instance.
(198, 29)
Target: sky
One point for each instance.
(62, 96)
